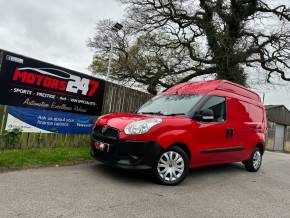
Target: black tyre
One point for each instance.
(255, 162)
(172, 166)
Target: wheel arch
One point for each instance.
(261, 146)
(183, 147)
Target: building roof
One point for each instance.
(278, 114)
(274, 106)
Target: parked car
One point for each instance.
(189, 125)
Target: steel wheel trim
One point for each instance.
(257, 158)
(170, 166)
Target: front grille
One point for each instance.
(110, 135)
(109, 132)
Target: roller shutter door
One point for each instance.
(279, 138)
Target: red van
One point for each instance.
(189, 125)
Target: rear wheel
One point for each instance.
(172, 166)
(255, 162)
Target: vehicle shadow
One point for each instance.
(125, 176)
(138, 177)
(228, 168)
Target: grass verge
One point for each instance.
(43, 156)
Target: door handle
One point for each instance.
(229, 133)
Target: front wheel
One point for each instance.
(172, 166)
(255, 162)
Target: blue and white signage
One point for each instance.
(46, 121)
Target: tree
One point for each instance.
(171, 41)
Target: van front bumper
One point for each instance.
(128, 154)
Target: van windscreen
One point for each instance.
(170, 105)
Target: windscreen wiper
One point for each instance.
(176, 114)
(153, 113)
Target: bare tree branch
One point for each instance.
(165, 42)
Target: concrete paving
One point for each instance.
(94, 190)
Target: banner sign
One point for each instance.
(45, 121)
(31, 83)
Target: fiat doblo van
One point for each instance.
(189, 125)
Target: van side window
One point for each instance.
(218, 106)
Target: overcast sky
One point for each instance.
(56, 31)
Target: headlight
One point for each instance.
(142, 126)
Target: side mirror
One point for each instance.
(204, 115)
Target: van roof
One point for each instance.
(205, 87)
